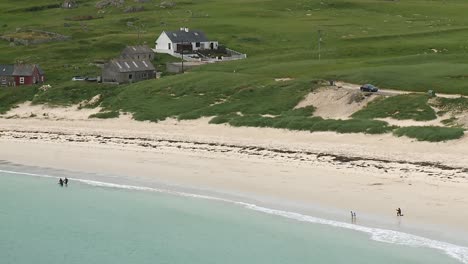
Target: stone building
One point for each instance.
(128, 71)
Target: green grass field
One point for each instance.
(413, 45)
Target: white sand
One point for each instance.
(27, 110)
(275, 165)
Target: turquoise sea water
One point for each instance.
(92, 222)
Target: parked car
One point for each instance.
(78, 78)
(369, 88)
(91, 79)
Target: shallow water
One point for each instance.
(41, 222)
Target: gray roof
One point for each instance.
(24, 69)
(137, 49)
(6, 69)
(41, 72)
(19, 69)
(188, 35)
(129, 65)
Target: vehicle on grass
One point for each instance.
(369, 88)
(78, 78)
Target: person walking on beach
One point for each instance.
(66, 181)
(61, 182)
(398, 212)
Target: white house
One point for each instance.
(185, 40)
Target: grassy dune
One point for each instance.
(413, 106)
(413, 45)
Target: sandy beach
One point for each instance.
(370, 174)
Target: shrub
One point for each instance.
(105, 115)
(430, 133)
(311, 124)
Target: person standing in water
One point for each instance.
(66, 181)
(61, 182)
(353, 217)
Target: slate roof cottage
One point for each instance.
(128, 71)
(142, 52)
(21, 74)
(183, 40)
(27, 74)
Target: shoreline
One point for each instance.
(284, 176)
(460, 253)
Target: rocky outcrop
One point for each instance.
(106, 3)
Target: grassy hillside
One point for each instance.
(412, 45)
(389, 43)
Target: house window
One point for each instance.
(21, 80)
(197, 44)
(130, 76)
(168, 45)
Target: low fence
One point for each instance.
(230, 56)
(235, 55)
(188, 57)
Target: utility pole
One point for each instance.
(319, 43)
(182, 56)
(138, 33)
(140, 30)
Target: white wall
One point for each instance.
(162, 44)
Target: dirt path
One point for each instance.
(390, 92)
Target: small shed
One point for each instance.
(128, 71)
(140, 52)
(69, 4)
